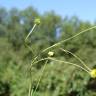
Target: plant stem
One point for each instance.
(30, 32)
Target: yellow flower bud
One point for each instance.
(50, 53)
(37, 21)
(93, 73)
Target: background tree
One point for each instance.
(58, 79)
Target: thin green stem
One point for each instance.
(69, 63)
(41, 60)
(81, 61)
(56, 44)
(30, 31)
(42, 71)
(62, 61)
(30, 90)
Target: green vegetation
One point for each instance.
(22, 75)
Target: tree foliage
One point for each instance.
(58, 79)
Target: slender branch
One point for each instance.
(30, 32)
(81, 61)
(42, 71)
(58, 43)
(69, 63)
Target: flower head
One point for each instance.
(93, 73)
(50, 53)
(37, 21)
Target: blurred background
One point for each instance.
(59, 20)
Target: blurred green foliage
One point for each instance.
(58, 79)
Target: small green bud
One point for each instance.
(93, 73)
(50, 53)
(37, 21)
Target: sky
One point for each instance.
(84, 9)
